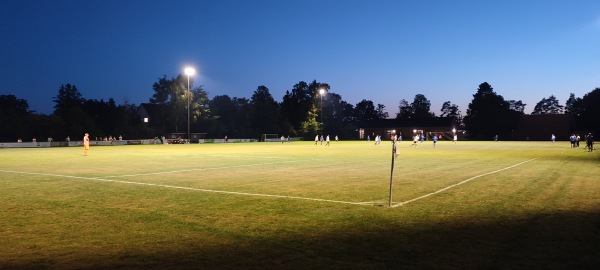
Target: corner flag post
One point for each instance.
(394, 155)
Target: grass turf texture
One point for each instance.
(94, 212)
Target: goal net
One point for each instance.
(270, 138)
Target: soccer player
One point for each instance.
(327, 140)
(590, 142)
(415, 140)
(86, 144)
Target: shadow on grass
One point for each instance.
(545, 241)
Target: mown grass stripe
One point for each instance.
(460, 183)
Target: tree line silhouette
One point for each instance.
(305, 110)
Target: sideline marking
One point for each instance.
(188, 188)
(460, 183)
(201, 169)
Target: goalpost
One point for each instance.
(270, 138)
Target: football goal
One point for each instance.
(270, 138)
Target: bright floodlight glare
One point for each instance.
(321, 91)
(453, 130)
(190, 71)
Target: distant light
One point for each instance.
(454, 130)
(145, 119)
(322, 91)
(414, 131)
(190, 71)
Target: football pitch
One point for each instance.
(469, 205)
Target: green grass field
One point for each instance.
(470, 205)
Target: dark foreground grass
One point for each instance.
(60, 210)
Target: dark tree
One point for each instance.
(333, 113)
(14, 118)
(381, 113)
(68, 97)
(421, 107)
(113, 120)
(319, 92)
(450, 110)
(223, 113)
(548, 106)
(517, 106)
(264, 116)
(418, 109)
(365, 111)
(405, 110)
(229, 117)
(242, 118)
(69, 107)
(348, 111)
(199, 107)
(301, 107)
(173, 94)
(589, 112)
(571, 105)
(489, 115)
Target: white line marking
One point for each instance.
(187, 188)
(236, 155)
(460, 183)
(201, 169)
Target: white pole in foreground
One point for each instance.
(394, 155)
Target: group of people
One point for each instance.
(109, 138)
(575, 138)
(320, 138)
(415, 139)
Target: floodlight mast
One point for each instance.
(189, 71)
(321, 92)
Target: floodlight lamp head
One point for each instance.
(190, 71)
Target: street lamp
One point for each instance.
(322, 92)
(189, 71)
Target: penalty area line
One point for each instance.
(460, 183)
(188, 188)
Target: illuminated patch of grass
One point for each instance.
(542, 214)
